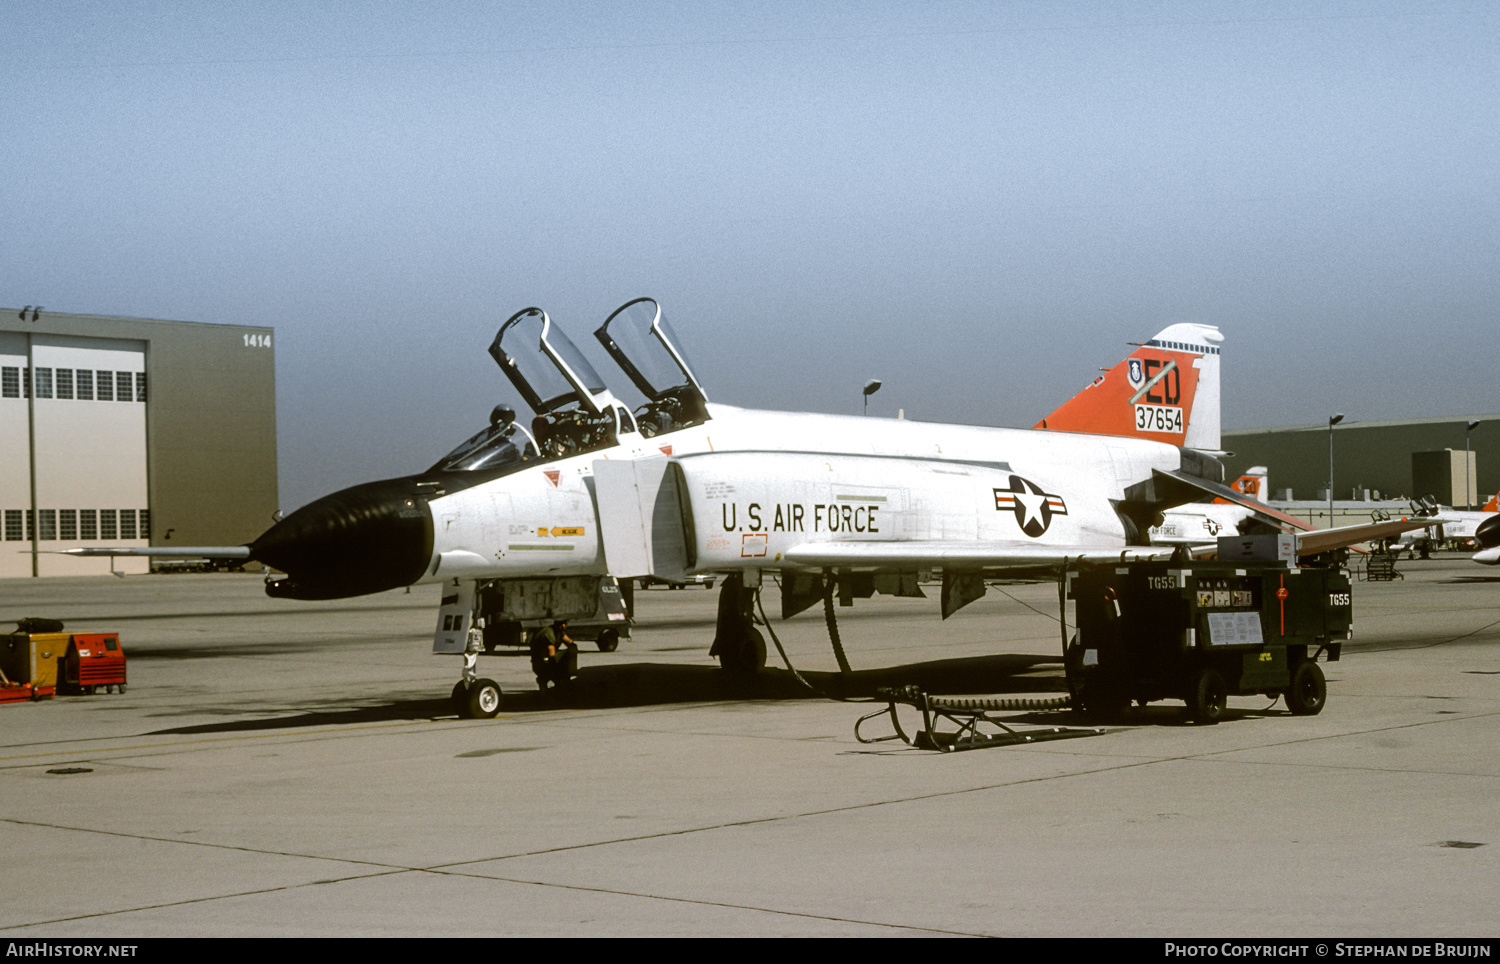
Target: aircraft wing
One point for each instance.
(958, 555)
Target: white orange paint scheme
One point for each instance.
(1167, 390)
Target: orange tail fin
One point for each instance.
(1167, 390)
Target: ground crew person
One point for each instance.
(554, 657)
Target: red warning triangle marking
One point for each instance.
(665, 449)
(552, 476)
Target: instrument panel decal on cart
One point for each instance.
(1234, 629)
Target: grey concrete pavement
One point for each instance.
(284, 768)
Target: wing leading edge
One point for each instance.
(958, 555)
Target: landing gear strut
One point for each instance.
(739, 646)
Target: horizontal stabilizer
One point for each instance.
(1310, 541)
(1225, 493)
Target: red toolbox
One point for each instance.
(94, 660)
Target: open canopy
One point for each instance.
(641, 342)
(546, 367)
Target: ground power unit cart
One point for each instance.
(1203, 631)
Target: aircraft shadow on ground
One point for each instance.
(654, 684)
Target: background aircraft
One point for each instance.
(1459, 526)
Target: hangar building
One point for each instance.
(1408, 458)
(131, 432)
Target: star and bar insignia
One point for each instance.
(1034, 508)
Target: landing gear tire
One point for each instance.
(1208, 697)
(481, 699)
(1308, 693)
(608, 641)
(748, 658)
(755, 651)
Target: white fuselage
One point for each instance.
(542, 521)
(1199, 524)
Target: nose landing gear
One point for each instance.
(475, 698)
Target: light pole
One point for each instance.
(1332, 421)
(871, 387)
(1468, 504)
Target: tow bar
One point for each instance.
(972, 726)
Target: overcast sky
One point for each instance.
(978, 203)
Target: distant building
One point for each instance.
(1373, 457)
(131, 432)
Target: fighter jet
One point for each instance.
(1483, 527)
(526, 523)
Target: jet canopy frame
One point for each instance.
(575, 412)
(553, 373)
(641, 342)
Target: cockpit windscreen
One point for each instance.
(501, 444)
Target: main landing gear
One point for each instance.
(739, 646)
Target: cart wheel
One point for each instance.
(1208, 697)
(88, 691)
(1308, 693)
(120, 688)
(608, 641)
(482, 700)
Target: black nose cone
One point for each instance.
(370, 538)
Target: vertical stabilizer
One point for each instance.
(1167, 390)
(1253, 483)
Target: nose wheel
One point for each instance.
(477, 699)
